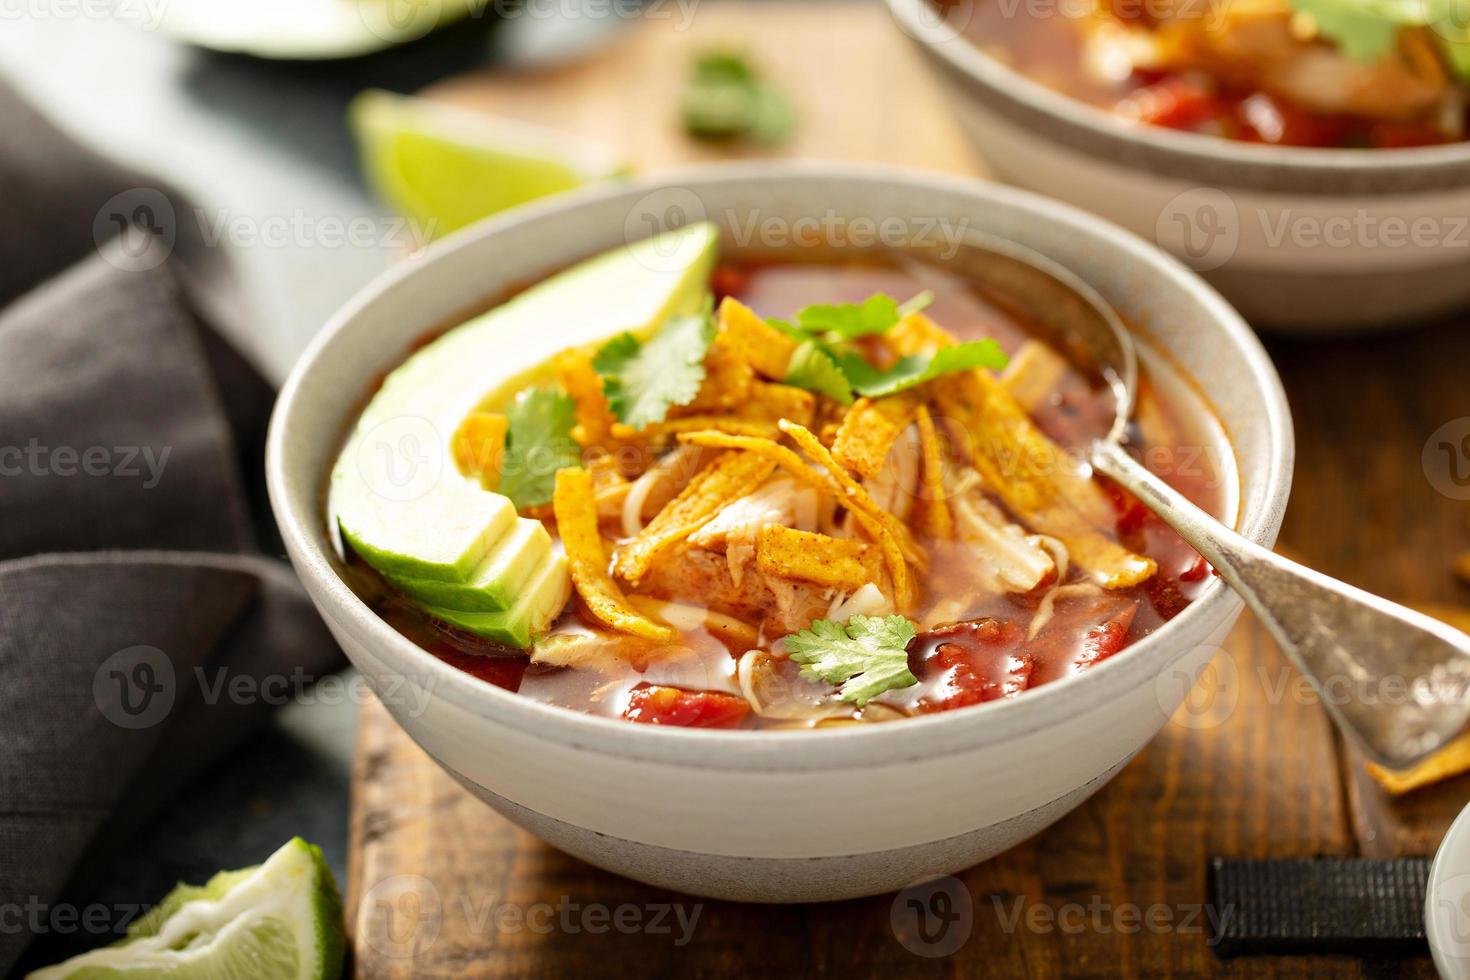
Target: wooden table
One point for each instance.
(1256, 772)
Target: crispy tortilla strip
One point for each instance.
(735, 633)
(727, 379)
(897, 544)
(1449, 761)
(764, 348)
(1035, 477)
(1453, 759)
(609, 484)
(836, 563)
(773, 402)
(700, 423)
(1034, 374)
(729, 477)
(869, 430)
(933, 503)
(479, 446)
(878, 530)
(581, 381)
(575, 505)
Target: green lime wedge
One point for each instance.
(279, 921)
(446, 167)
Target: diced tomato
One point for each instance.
(1264, 119)
(727, 280)
(975, 662)
(1130, 510)
(653, 705)
(1105, 639)
(1173, 102)
(1401, 135)
(1197, 572)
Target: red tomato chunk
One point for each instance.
(652, 705)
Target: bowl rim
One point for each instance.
(912, 739)
(970, 60)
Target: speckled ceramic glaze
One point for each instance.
(1298, 239)
(776, 816)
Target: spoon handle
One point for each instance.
(1397, 682)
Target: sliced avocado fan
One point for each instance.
(397, 494)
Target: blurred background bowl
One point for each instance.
(1298, 239)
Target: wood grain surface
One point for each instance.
(438, 884)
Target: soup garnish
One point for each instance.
(1313, 73)
(861, 503)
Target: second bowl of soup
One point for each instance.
(1319, 183)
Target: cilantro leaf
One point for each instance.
(642, 381)
(866, 657)
(1361, 33)
(847, 321)
(1367, 30)
(916, 304)
(916, 369)
(813, 368)
(538, 442)
(727, 98)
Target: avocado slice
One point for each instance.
(544, 596)
(497, 582)
(397, 494)
(308, 29)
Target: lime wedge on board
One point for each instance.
(279, 921)
(447, 167)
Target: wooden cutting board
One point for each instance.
(439, 884)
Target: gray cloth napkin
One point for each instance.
(138, 614)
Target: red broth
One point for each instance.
(1045, 42)
(984, 653)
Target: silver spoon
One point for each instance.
(1328, 628)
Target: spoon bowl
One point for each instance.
(1333, 632)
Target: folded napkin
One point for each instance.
(139, 616)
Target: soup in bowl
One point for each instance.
(762, 569)
(782, 499)
(1318, 180)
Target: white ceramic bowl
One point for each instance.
(1299, 239)
(775, 816)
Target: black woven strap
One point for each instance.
(1323, 905)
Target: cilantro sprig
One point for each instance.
(728, 99)
(642, 381)
(1367, 30)
(538, 442)
(867, 656)
(908, 372)
(823, 362)
(812, 368)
